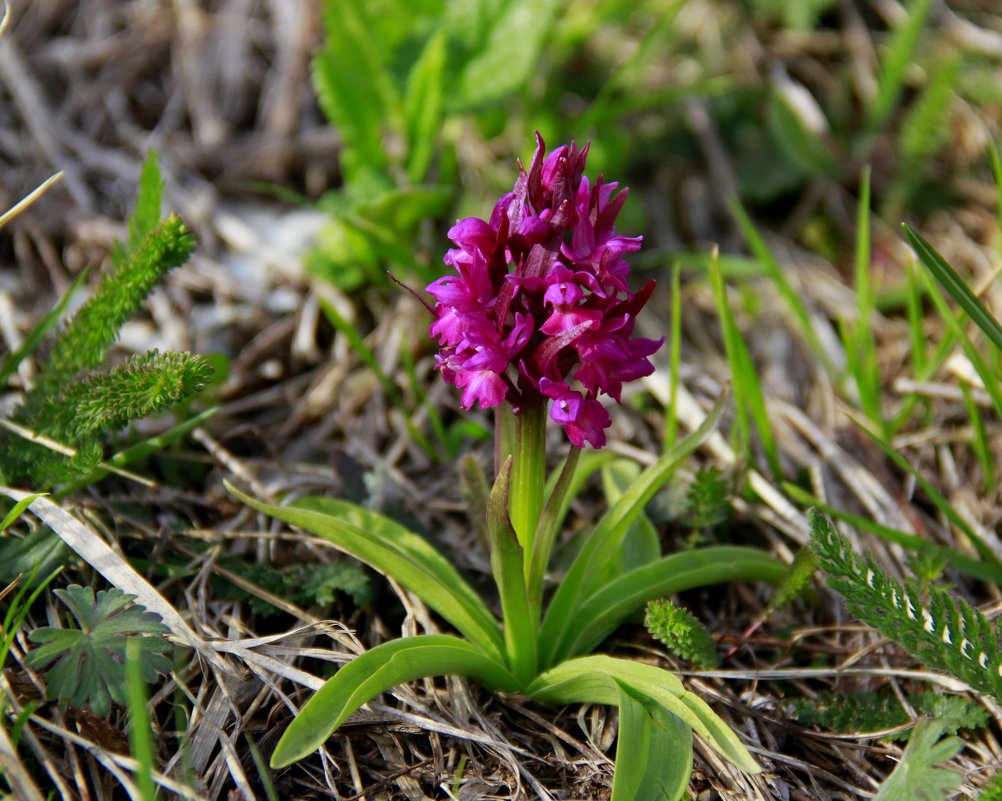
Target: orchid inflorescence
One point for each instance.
(540, 309)
(541, 300)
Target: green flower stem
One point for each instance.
(528, 473)
(504, 435)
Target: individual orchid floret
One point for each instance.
(539, 309)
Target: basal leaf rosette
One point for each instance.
(539, 307)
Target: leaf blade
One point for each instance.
(390, 548)
(375, 671)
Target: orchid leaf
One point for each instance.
(606, 540)
(654, 753)
(606, 609)
(391, 549)
(376, 671)
(641, 545)
(598, 679)
(509, 576)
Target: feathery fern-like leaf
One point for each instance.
(144, 385)
(944, 631)
(873, 711)
(680, 631)
(84, 343)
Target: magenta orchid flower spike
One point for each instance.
(539, 308)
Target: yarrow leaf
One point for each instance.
(873, 711)
(944, 631)
(86, 665)
(681, 631)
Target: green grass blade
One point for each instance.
(19, 608)
(262, 770)
(983, 571)
(18, 510)
(376, 671)
(955, 285)
(772, 269)
(993, 150)
(40, 331)
(982, 448)
(913, 308)
(140, 450)
(937, 499)
(140, 730)
(391, 549)
(991, 381)
(863, 347)
(748, 396)
(901, 53)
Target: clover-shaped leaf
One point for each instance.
(89, 667)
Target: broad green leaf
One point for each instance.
(597, 680)
(376, 671)
(355, 88)
(424, 105)
(641, 545)
(338, 84)
(560, 490)
(511, 53)
(508, 567)
(606, 609)
(654, 752)
(918, 776)
(89, 667)
(607, 538)
(400, 554)
(955, 285)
